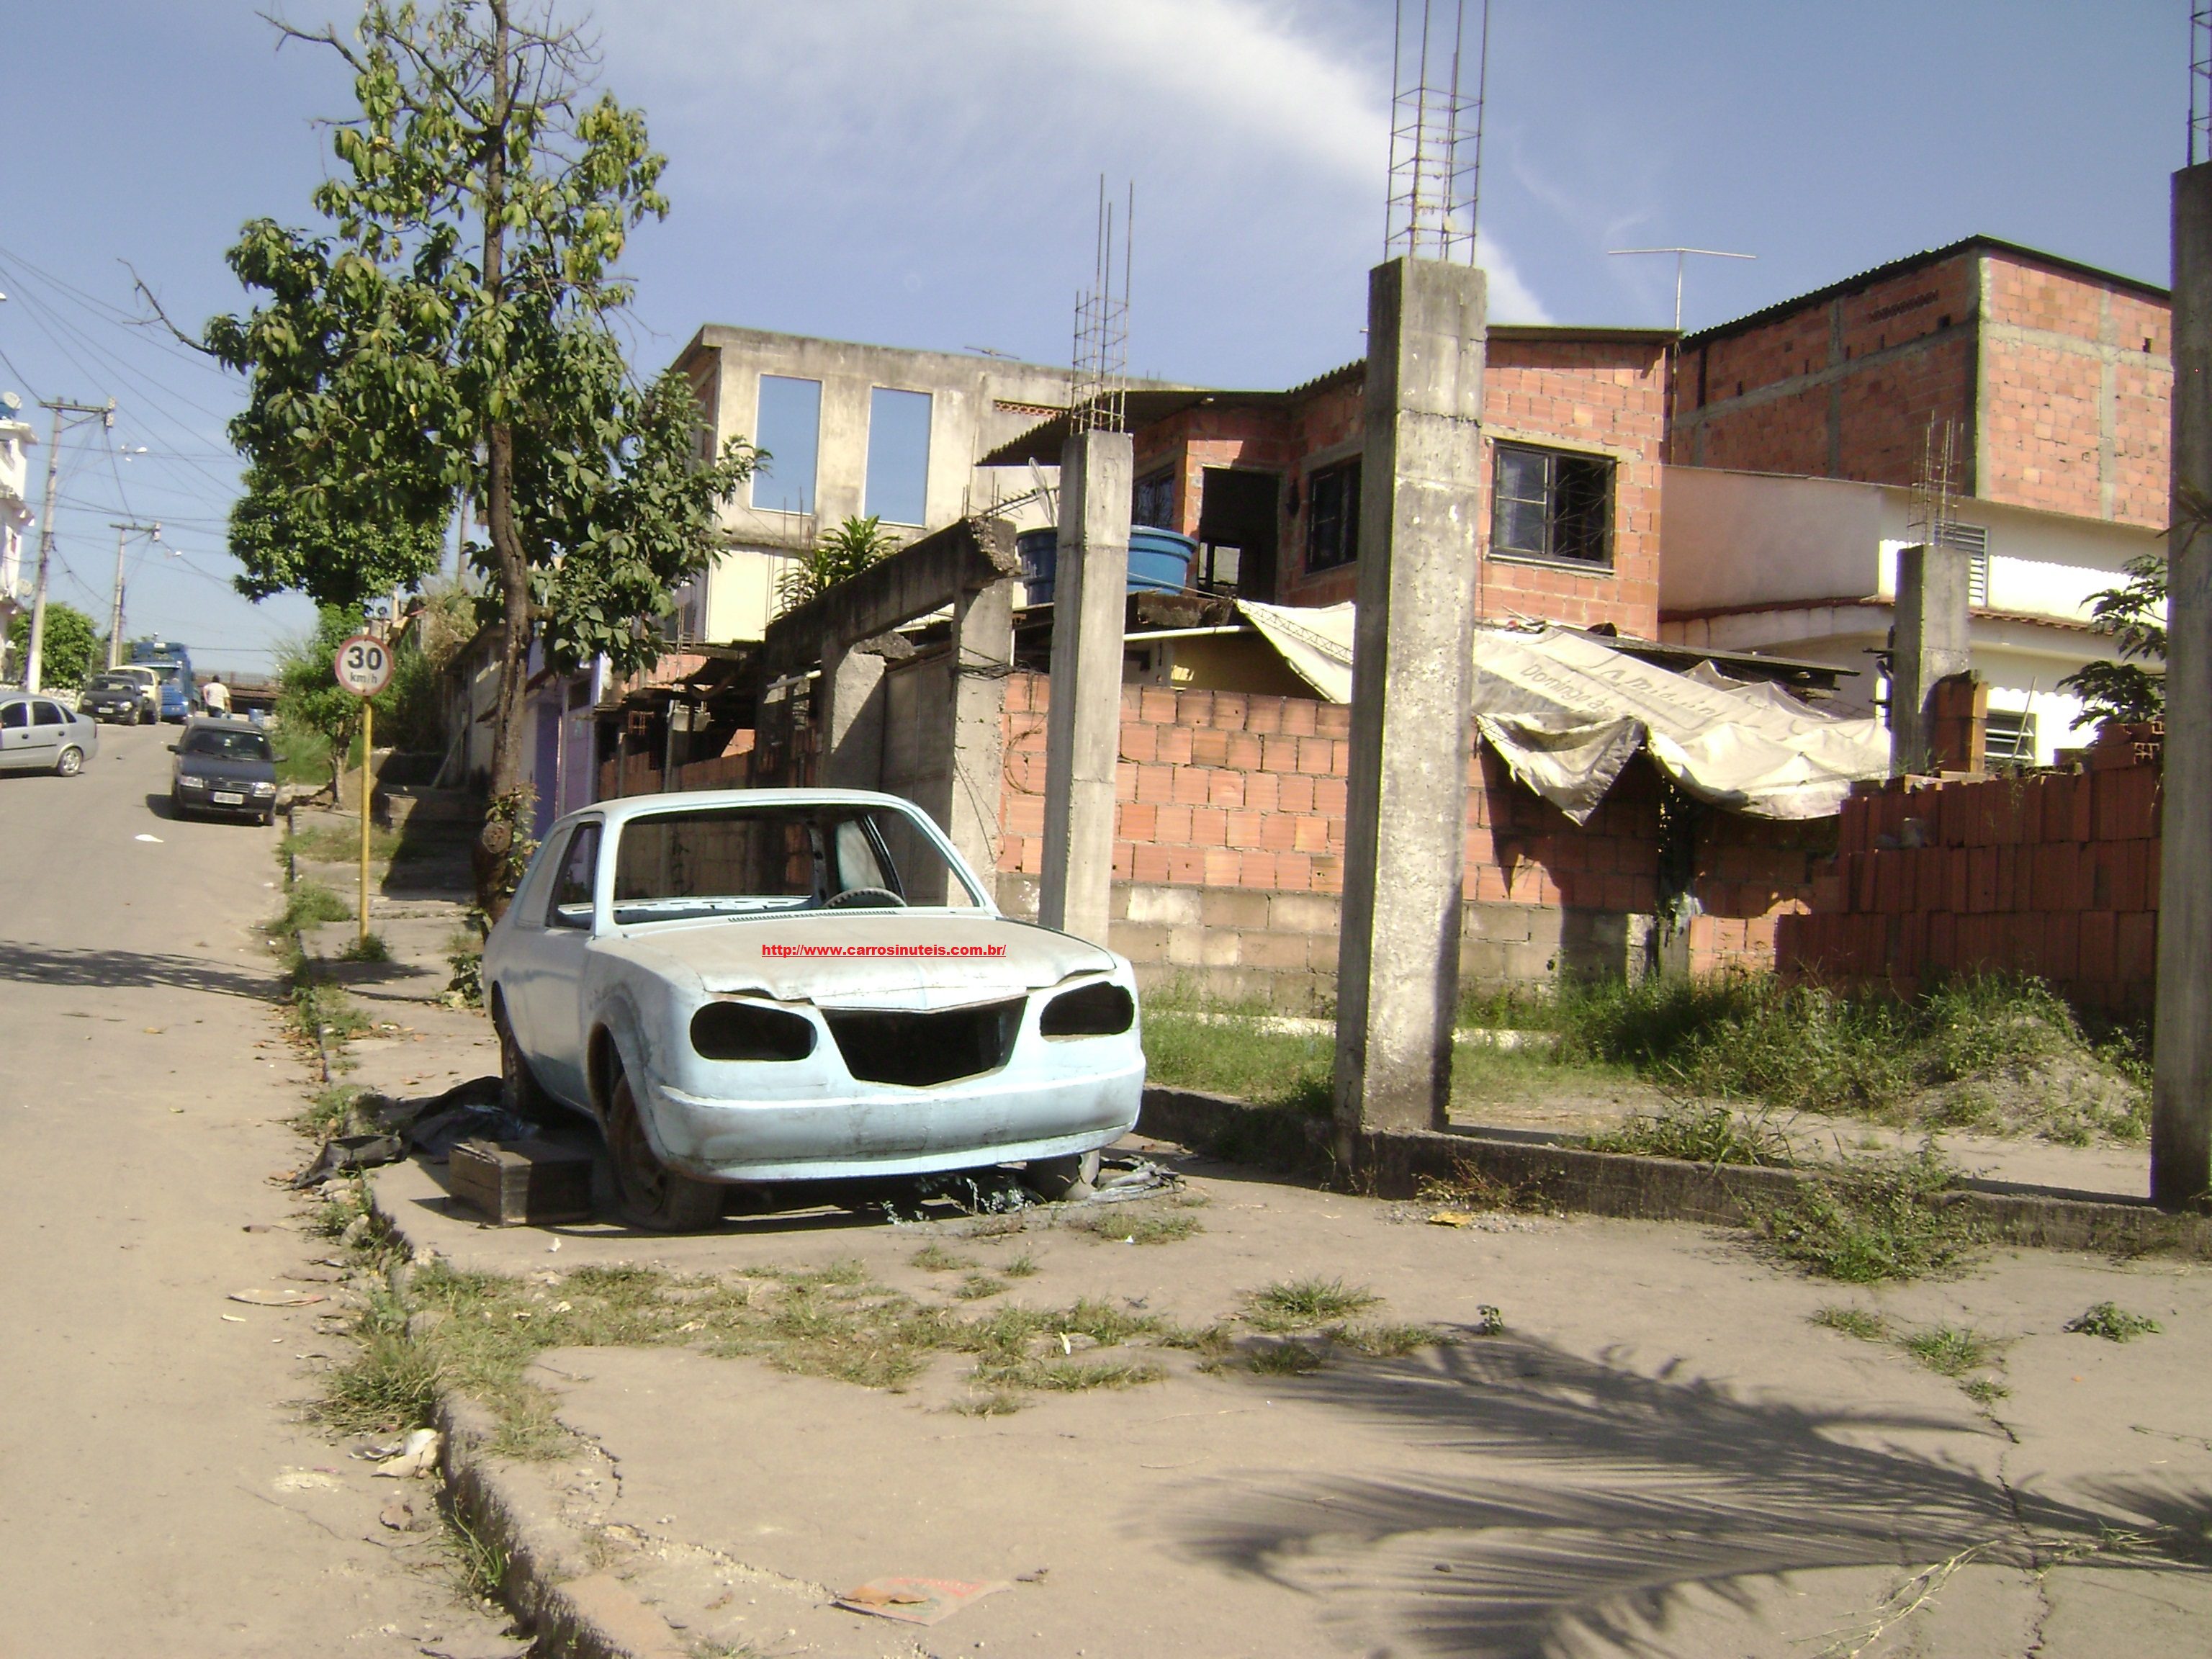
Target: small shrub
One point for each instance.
(1489, 1322)
(1286, 1359)
(1301, 1303)
(1863, 1224)
(2114, 1324)
(366, 947)
(1951, 1350)
(1022, 1266)
(309, 904)
(1698, 1134)
(976, 1287)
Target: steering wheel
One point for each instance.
(873, 897)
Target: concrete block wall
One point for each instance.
(1228, 857)
(2055, 875)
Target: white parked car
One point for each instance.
(779, 985)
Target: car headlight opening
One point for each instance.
(191, 781)
(1100, 1010)
(746, 1031)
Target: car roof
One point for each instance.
(623, 809)
(223, 723)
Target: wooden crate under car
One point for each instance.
(531, 1182)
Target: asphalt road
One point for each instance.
(161, 1494)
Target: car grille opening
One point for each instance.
(746, 1031)
(1094, 1010)
(922, 1049)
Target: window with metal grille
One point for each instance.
(2009, 735)
(1549, 504)
(1332, 516)
(1153, 500)
(1972, 540)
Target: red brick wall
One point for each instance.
(2054, 876)
(2078, 378)
(1840, 388)
(1229, 790)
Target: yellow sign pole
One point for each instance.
(367, 746)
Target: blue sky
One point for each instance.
(924, 173)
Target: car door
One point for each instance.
(549, 1019)
(49, 725)
(14, 735)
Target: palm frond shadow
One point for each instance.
(1597, 1498)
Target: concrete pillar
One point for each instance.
(2181, 1092)
(1929, 643)
(851, 718)
(982, 657)
(1411, 680)
(1083, 727)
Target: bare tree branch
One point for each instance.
(161, 319)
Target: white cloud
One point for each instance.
(917, 134)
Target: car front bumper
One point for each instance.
(201, 798)
(1002, 1117)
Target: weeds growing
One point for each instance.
(1300, 1304)
(309, 904)
(2114, 1324)
(1699, 1135)
(1134, 1223)
(1866, 1223)
(366, 947)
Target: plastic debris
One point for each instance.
(341, 1153)
(276, 1299)
(420, 1455)
(916, 1601)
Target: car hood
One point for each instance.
(726, 955)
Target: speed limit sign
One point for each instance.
(363, 666)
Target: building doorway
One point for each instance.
(1238, 525)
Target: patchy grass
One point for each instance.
(1866, 1223)
(1299, 1304)
(1223, 1049)
(1995, 1054)
(329, 1112)
(1286, 1359)
(1952, 1350)
(2114, 1324)
(318, 1005)
(1472, 1189)
(1860, 1322)
(309, 904)
(936, 1259)
(340, 844)
(366, 947)
(1699, 1135)
(977, 1287)
(1022, 1266)
(1134, 1223)
(1389, 1341)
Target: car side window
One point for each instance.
(576, 881)
(48, 713)
(15, 715)
(857, 866)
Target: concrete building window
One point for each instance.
(2009, 735)
(1332, 516)
(790, 430)
(1152, 501)
(1972, 540)
(1549, 504)
(898, 456)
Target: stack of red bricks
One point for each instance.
(2054, 875)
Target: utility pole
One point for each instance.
(123, 533)
(34, 657)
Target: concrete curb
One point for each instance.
(1394, 1164)
(573, 1610)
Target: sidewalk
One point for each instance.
(1658, 1429)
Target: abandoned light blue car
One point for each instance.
(779, 985)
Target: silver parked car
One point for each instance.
(38, 733)
(779, 985)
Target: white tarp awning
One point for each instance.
(1567, 711)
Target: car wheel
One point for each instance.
(70, 762)
(1058, 1178)
(652, 1196)
(519, 1092)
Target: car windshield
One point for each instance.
(227, 746)
(112, 683)
(735, 859)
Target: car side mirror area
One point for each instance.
(172, 749)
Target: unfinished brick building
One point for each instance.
(2058, 374)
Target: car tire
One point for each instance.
(69, 762)
(649, 1193)
(519, 1092)
(1060, 1179)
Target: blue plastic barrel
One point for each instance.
(1159, 561)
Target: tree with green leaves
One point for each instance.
(844, 552)
(71, 644)
(448, 337)
(2133, 615)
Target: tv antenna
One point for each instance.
(1680, 254)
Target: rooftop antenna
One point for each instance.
(2200, 84)
(1099, 397)
(1680, 254)
(1435, 131)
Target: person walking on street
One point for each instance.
(215, 698)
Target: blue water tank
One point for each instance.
(1159, 561)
